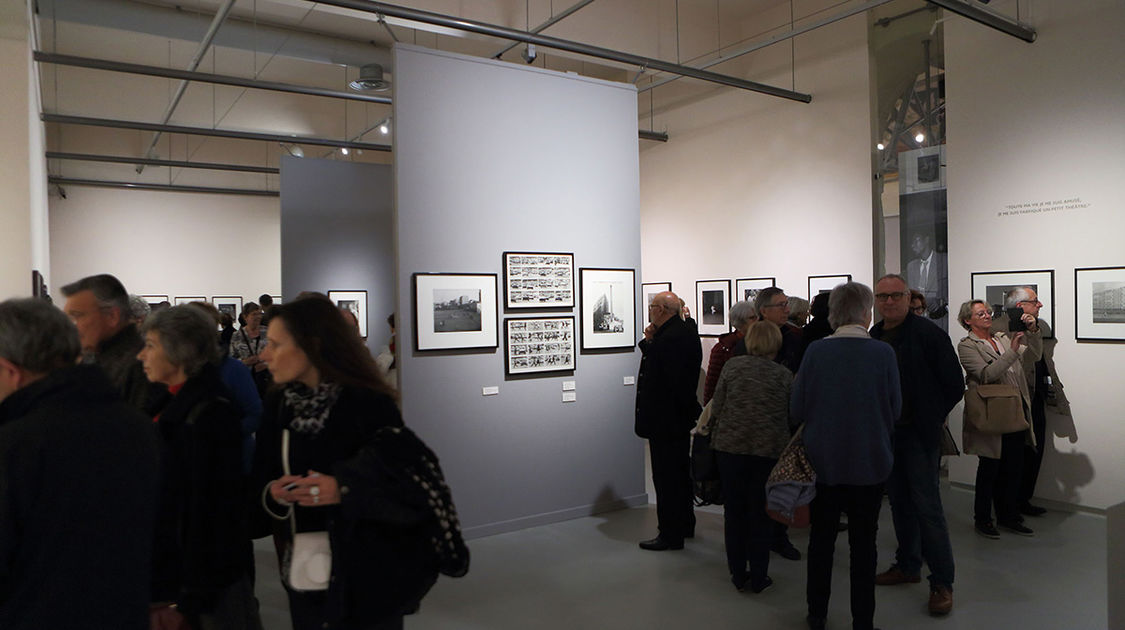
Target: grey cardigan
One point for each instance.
(750, 410)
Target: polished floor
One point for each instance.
(589, 573)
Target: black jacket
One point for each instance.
(669, 375)
(117, 356)
(201, 543)
(77, 499)
(930, 374)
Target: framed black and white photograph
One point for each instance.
(1099, 304)
(825, 284)
(455, 311)
(153, 300)
(276, 300)
(746, 289)
(354, 301)
(712, 301)
(181, 300)
(537, 345)
(228, 304)
(992, 286)
(650, 289)
(608, 307)
(538, 280)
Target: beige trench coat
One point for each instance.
(983, 365)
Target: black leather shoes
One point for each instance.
(786, 550)
(1028, 509)
(661, 544)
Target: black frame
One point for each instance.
(1077, 307)
(808, 288)
(189, 298)
(736, 296)
(215, 299)
(582, 308)
(1049, 305)
(665, 286)
(540, 306)
(550, 370)
(699, 309)
(361, 316)
(496, 312)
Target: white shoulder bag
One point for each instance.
(310, 561)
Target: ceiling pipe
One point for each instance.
(658, 136)
(546, 25)
(204, 46)
(203, 131)
(991, 19)
(121, 159)
(204, 77)
(502, 32)
(769, 41)
(70, 181)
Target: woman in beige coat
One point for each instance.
(994, 357)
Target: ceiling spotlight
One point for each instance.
(385, 126)
(370, 79)
(920, 137)
(293, 149)
(343, 150)
(880, 146)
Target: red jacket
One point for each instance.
(722, 351)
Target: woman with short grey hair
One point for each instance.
(201, 546)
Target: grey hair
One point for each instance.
(798, 307)
(849, 303)
(187, 336)
(765, 296)
(741, 313)
(138, 308)
(37, 336)
(894, 276)
(107, 289)
(966, 312)
(1015, 296)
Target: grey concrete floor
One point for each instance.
(589, 573)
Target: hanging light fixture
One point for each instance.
(370, 79)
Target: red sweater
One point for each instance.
(722, 351)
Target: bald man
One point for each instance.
(667, 408)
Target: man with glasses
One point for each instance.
(1043, 383)
(666, 410)
(931, 381)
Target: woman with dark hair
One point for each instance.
(247, 345)
(201, 550)
(329, 459)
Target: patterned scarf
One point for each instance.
(310, 407)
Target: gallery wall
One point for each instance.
(493, 157)
(1034, 169)
(336, 234)
(175, 244)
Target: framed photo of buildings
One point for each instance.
(356, 303)
(455, 311)
(746, 289)
(538, 345)
(1099, 304)
(825, 284)
(992, 286)
(650, 289)
(712, 301)
(538, 280)
(608, 308)
(228, 304)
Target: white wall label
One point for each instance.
(568, 386)
(569, 396)
(630, 380)
(490, 391)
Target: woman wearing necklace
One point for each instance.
(247, 345)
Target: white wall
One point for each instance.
(1033, 123)
(175, 244)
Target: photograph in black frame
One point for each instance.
(712, 303)
(228, 304)
(650, 289)
(746, 289)
(825, 284)
(538, 280)
(455, 311)
(608, 308)
(539, 345)
(992, 286)
(1099, 304)
(353, 301)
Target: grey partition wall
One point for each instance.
(493, 157)
(337, 234)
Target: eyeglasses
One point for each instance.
(896, 296)
(786, 303)
(1032, 302)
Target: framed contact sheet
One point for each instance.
(537, 345)
(538, 280)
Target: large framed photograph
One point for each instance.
(355, 302)
(455, 311)
(181, 300)
(538, 280)
(650, 289)
(712, 301)
(608, 307)
(539, 344)
(746, 289)
(992, 286)
(1099, 304)
(825, 284)
(228, 304)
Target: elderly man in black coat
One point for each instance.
(667, 408)
(78, 472)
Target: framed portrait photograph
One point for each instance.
(608, 308)
(228, 304)
(354, 301)
(455, 311)
(153, 300)
(650, 289)
(712, 301)
(992, 286)
(825, 284)
(181, 300)
(538, 280)
(1099, 304)
(536, 345)
(746, 289)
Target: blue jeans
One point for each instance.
(916, 509)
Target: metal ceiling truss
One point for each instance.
(978, 13)
(67, 181)
(123, 159)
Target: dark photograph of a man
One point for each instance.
(714, 311)
(456, 310)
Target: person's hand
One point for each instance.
(1016, 341)
(685, 312)
(1031, 322)
(278, 488)
(312, 490)
(650, 330)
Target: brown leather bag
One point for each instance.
(995, 409)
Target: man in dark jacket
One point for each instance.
(78, 473)
(667, 408)
(931, 386)
(99, 307)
